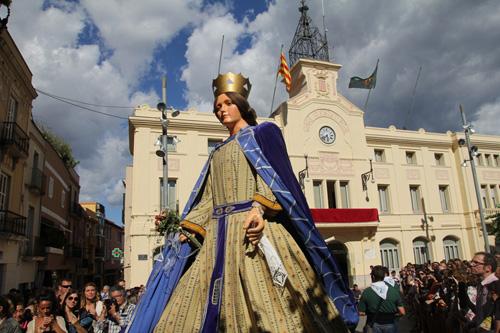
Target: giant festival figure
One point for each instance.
(263, 266)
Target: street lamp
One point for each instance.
(162, 152)
(365, 177)
(472, 150)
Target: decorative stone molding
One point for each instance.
(413, 174)
(329, 164)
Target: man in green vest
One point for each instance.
(380, 303)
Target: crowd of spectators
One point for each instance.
(68, 310)
(455, 296)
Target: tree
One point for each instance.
(495, 225)
(62, 148)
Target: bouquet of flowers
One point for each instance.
(168, 222)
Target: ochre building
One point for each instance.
(424, 197)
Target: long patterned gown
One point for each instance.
(250, 300)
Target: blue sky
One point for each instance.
(114, 52)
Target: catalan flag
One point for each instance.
(284, 71)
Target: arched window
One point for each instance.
(450, 244)
(389, 254)
(420, 251)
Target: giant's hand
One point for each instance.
(182, 238)
(254, 225)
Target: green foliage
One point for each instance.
(62, 147)
(495, 224)
(167, 222)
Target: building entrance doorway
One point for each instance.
(340, 253)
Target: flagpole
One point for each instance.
(276, 81)
(410, 110)
(220, 55)
(367, 98)
(370, 90)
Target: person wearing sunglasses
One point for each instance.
(62, 288)
(71, 312)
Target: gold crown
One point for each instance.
(231, 82)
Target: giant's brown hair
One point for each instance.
(246, 111)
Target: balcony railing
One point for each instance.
(487, 213)
(12, 223)
(13, 135)
(37, 183)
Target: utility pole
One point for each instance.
(425, 221)
(468, 130)
(164, 142)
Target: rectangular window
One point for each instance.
(410, 157)
(172, 143)
(63, 198)
(330, 190)
(344, 194)
(444, 196)
(171, 194)
(212, 143)
(383, 197)
(484, 197)
(4, 191)
(318, 193)
(479, 159)
(13, 105)
(415, 198)
(379, 155)
(439, 158)
(487, 159)
(493, 195)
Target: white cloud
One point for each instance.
(487, 118)
(104, 171)
(133, 29)
(259, 61)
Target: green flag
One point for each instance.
(368, 83)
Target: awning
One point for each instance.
(345, 217)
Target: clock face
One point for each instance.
(327, 134)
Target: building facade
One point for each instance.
(16, 97)
(424, 196)
(113, 265)
(61, 221)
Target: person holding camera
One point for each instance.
(120, 311)
(45, 319)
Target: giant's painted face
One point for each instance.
(226, 111)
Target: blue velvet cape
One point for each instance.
(265, 149)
